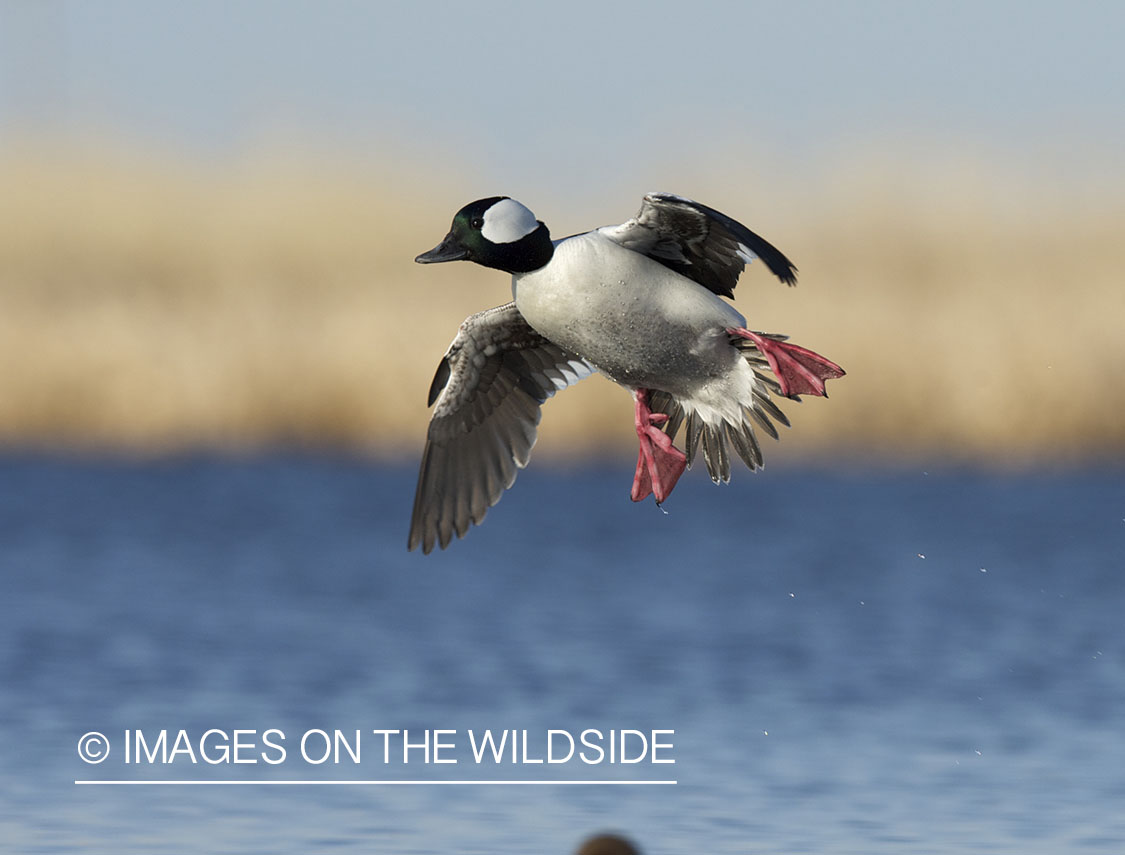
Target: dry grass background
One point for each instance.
(149, 305)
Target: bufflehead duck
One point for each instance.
(639, 302)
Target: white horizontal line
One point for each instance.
(385, 783)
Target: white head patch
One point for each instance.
(507, 221)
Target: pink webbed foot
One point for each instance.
(659, 463)
(799, 370)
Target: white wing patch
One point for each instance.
(570, 373)
(507, 221)
(745, 253)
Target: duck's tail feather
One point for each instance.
(719, 434)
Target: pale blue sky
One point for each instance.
(572, 94)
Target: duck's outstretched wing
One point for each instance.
(698, 242)
(486, 396)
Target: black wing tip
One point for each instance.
(773, 258)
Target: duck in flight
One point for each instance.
(642, 304)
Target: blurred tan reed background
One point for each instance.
(152, 304)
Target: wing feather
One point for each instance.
(698, 242)
(486, 396)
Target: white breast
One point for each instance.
(637, 321)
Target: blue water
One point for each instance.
(858, 661)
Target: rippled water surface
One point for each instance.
(851, 662)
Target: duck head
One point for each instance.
(495, 232)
